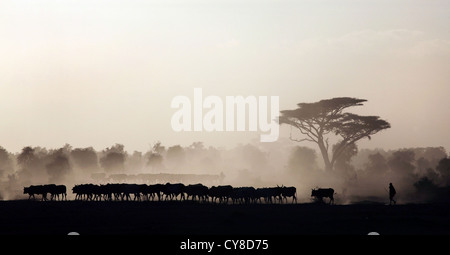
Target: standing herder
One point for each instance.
(392, 193)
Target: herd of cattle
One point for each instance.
(169, 192)
(54, 190)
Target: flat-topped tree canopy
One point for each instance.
(315, 120)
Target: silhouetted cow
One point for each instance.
(128, 189)
(197, 190)
(36, 190)
(223, 193)
(86, 191)
(289, 192)
(267, 194)
(173, 190)
(243, 195)
(321, 193)
(154, 191)
(56, 190)
(115, 190)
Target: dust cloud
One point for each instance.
(360, 176)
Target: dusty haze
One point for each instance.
(95, 74)
(419, 174)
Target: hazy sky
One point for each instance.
(96, 73)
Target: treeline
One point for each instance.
(38, 164)
(68, 165)
(431, 163)
(421, 174)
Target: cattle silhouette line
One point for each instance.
(223, 194)
(181, 192)
(54, 190)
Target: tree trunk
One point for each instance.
(326, 159)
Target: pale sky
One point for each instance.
(96, 73)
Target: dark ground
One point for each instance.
(189, 218)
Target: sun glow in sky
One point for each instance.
(96, 73)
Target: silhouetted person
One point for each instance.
(392, 193)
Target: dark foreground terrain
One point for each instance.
(189, 218)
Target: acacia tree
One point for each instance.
(318, 121)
